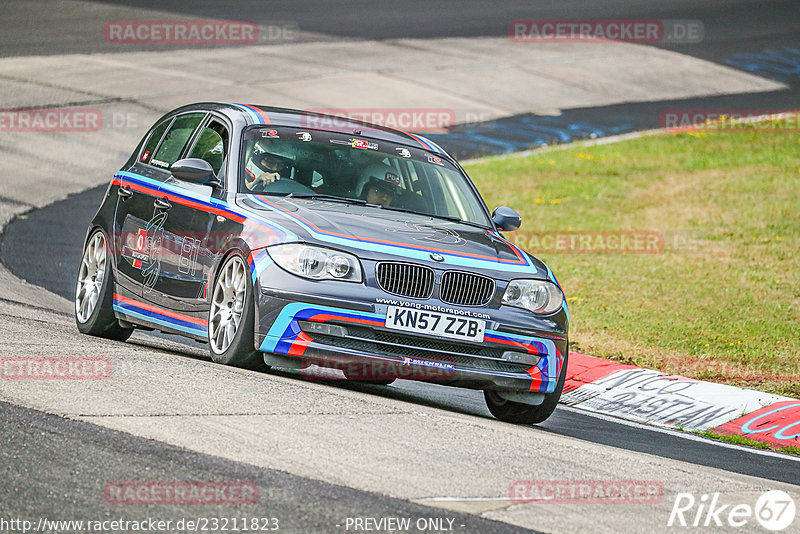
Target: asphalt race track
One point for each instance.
(754, 36)
(23, 239)
(730, 27)
(66, 448)
(322, 453)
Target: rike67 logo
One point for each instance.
(774, 510)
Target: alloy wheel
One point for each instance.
(90, 277)
(227, 304)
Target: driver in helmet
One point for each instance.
(265, 168)
(381, 184)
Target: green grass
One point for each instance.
(741, 440)
(721, 302)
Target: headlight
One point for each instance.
(316, 263)
(537, 296)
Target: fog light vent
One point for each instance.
(513, 356)
(323, 328)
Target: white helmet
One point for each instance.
(382, 176)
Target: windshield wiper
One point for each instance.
(333, 198)
(445, 217)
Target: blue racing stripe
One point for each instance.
(298, 311)
(162, 320)
(249, 110)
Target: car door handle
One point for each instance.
(162, 204)
(125, 192)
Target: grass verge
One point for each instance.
(720, 298)
(741, 440)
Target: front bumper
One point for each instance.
(348, 332)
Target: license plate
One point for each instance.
(435, 323)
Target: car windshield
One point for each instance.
(378, 174)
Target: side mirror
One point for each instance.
(196, 171)
(506, 219)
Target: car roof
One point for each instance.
(267, 115)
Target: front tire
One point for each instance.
(526, 414)
(231, 320)
(94, 294)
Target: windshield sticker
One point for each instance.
(356, 143)
(363, 144)
(272, 134)
(435, 159)
(403, 152)
(304, 136)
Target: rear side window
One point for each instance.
(175, 140)
(211, 145)
(152, 143)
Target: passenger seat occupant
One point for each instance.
(264, 168)
(380, 184)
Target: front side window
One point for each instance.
(381, 174)
(175, 140)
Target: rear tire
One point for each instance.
(231, 319)
(94, 294)
(526, 414)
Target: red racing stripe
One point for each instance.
(160, 311)
(323, 317)
(263, 115)
(192, 204)
(299, 345)
(530, 348)
(536, 377)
